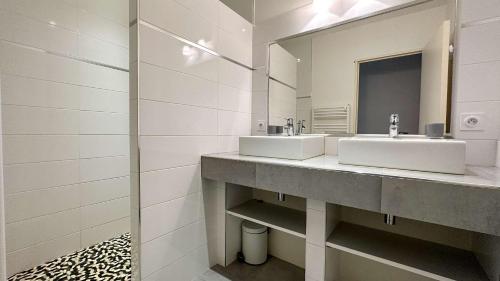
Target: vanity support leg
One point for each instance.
(214, 198)
(315, 240)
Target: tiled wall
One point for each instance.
(477, 83)
(190, 102)
(65, 126)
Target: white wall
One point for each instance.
(190, 103)
(334, 76)
(65, 126)
(476, 81)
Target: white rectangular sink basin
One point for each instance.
(404, 152)
(287, 147)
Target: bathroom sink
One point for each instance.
(287, 147)
(412, 152)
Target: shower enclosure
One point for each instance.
(64, 72)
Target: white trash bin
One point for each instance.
(254, 242)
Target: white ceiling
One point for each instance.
(266, 9)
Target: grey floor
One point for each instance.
(274, 269)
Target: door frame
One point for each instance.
(354, 112)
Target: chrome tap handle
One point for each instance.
(289, 126)
(394, 125)
(394, 119)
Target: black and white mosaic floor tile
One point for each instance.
(109, 260)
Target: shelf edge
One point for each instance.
(291, 232)
(388, 262)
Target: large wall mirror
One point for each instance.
(351, 77)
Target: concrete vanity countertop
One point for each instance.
(470, 201)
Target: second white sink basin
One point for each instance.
(405, 152)
(287, 147)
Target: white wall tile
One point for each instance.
(106, 30)
(164, 185)
(32, 63)
(166, 85)
(173, 17)
(101, 213)
(167, 152)
(165, 217)
(102, 77)
(25, 205)
(113, 10)
(473, 10)
(235, 100)
(170, 155)
(235, 35)
(95, 235)
(103, 145)
(479, 82)
(97, 50)
(27, 31)
(103, 123)
(21, 234)
(104, 190)
(234, 123)
(159, 118)
(162, 50)
(164, 250)
(17, 90)
(228, 143)
(41, 175)
(233, 47)
(104, 168)
(93, 99)
(32, 256)
(234, 75)
(259, 103)
(491, 120)
(480, 152)
(36, 120)
(189, 267)
(59, 11)
(480, 43)
(169, 15)
(231, 22)
(37, 148)
(208, 9)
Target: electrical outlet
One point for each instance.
(261, 126)
(472, 121)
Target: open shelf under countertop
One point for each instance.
(277, 217)
(421, 257)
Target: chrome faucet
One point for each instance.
(300, 127)
(394, 125)
(289, 127)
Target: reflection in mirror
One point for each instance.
(350, 78)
